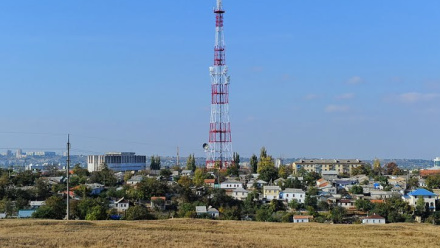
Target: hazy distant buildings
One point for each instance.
(18, 153)
(40, 154)
(319, 165)
(437, 162)
(117, 161)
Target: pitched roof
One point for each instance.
(272, 187)
(421, 192)
(377, 201)
(201, 209)
(291, 190)
(374, 216)
(209, 180)
(302, 217)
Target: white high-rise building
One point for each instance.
(117, 161)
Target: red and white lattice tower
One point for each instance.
(219, 150)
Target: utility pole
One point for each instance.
(68, 176)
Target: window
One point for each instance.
(287, 195)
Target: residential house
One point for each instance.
(330, 175)
(346, 203)
(210, 182)
(95, 188)
(200, 210)
(290, 194)
(188, 173)
(213, 212)
(428, 197)
(121, 205)
(271, 192)
(240, 194)
(25, 213)
(231, 184)
(342, 183)
(380, 194)
(158, 202)
(36, 204)
(135, 180)
(302, 218)
(373, 219)
(280, 181)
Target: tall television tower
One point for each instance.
(219, 149)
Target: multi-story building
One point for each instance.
(290, 194)
(117, 161)
(319, 165)
(271, 192)
(428, 197)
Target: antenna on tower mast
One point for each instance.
(219, 149)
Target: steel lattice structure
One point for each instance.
(219, 150)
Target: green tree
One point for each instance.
(138, 213)
(98, 212)
(254, 163)
(268, 173)
(199, 177)
(433, 181)
(263, 153)
(149, 187)
(79, 171)
(363, 205)
(55, 208)
(105, 176)
(356, 189)
(155, 163)
(191, 163)
(41, 189)
(377, 169)
(337, 214)
(236, 159)
(166, 173)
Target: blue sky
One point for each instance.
(346, 79)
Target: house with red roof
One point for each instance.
(373, 219)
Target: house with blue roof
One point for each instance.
(428, 197)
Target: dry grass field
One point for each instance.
(205, 233)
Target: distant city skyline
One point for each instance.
(314, 79)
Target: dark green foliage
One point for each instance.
(105, 176)
(356, 189)
(254, 163)
(191, 163)
(55, 208)
(337, 214)
(155, 163)
(138, 213)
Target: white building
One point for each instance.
(289, 194)
(301, 218)
(428, 197)
(230, 184)
(373, 219)
(117, 161)
(240, 194)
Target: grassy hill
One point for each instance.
(205, 233)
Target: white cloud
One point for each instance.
(345, 96)
(413, 97)
(337, 108)
(355, 80)
(311, 97)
